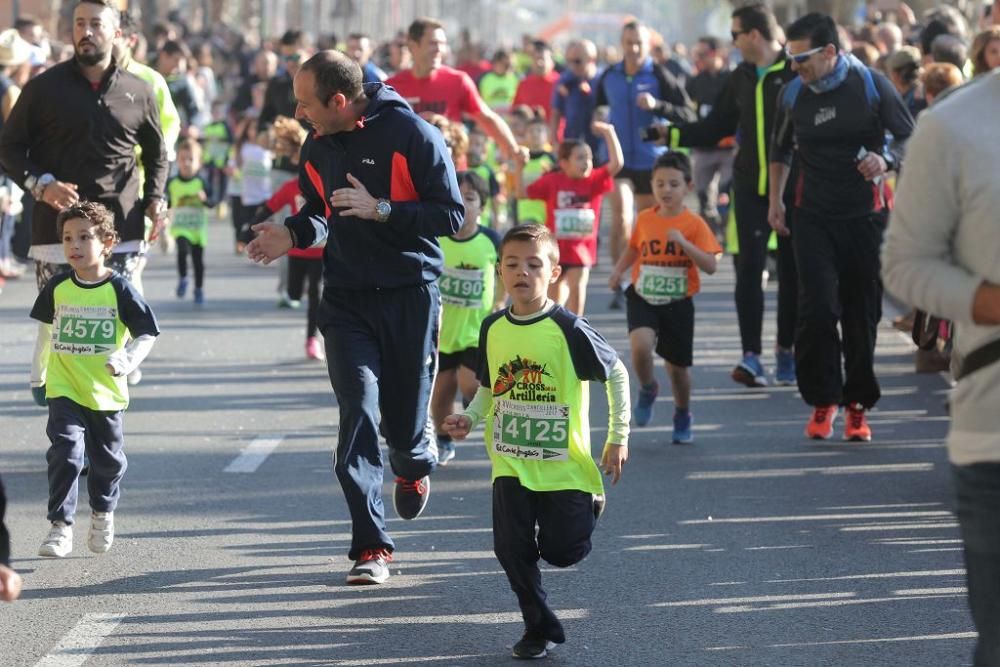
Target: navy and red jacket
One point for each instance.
(397, 156)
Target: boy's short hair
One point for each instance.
(532, 233)
(189, 144)
(674, 160)
(97, 214)
(476, 182)
(567, 147)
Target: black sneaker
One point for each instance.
(531, 648)
(371, 568)
(410, 498)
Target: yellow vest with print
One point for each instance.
(86, 328)
(539, 426)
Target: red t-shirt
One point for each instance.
(290, 195)
(536, 91)
(446, 91)
(573, 212)
(475, 69)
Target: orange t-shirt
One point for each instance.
(663, 272)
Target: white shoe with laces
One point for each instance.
(102, 531)
(59, 541)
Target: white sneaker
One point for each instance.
(102, 531)
(59, 542)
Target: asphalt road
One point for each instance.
(753, 546)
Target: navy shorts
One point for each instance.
(673, 324)
(469, 357)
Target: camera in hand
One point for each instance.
(653, 133)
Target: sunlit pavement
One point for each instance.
(752, 546)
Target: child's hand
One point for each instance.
(38, 396)
(10, 584)
(457, 426)
(613, 460)
(676, 236)
(614, 280)
(600, 127)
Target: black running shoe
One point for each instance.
(531, 648)
(410, 498)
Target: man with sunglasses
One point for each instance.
(746, 107)
(834, 118)
(574, 98)
(279, 99)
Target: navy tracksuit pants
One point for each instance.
(381, 349)
(565, 521)
(73, 430)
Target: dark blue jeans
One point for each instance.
(74, 430)
(381, 349)
(978, 488)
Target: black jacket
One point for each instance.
(735, 112)
(397, 156)
(60, 125)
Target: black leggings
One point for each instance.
(299, 269)
(184, 246)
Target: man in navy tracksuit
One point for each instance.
(379, 187)
(835, 117)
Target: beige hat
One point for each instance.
(14, 49)
(906, 56)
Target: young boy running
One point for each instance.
(82, 357)
(536, 359)
(190, 201)
(669, 245)
(469, 292)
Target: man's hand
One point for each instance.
(356, 200)
(157, 212)
(457, 426)
(776, 218)
(645, 101)
(872, 166)
(613, 460)
(10, 584)
(272, 241)
(60, 195)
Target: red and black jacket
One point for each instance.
(397, 156)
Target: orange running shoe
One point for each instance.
(820, 426)
(856, 427)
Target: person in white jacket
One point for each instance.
(941, 255)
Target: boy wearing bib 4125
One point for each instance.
(536, 362)
(669, 246)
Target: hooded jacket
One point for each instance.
(397, 156)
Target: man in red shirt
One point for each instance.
(432, 87)
(535, 90)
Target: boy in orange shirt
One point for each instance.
(668, 248)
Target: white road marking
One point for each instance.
(254, 455)
(79, 643)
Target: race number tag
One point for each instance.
(188, 218)
(462, 287)
(659, 285)
(531, 431)
(574, 223)
(84, 330)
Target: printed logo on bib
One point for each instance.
(659, 285)
(574, 223)
(188, 218)
(531, 431)
(84, 330)
(462, 286)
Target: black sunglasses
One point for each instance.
(737, 33)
